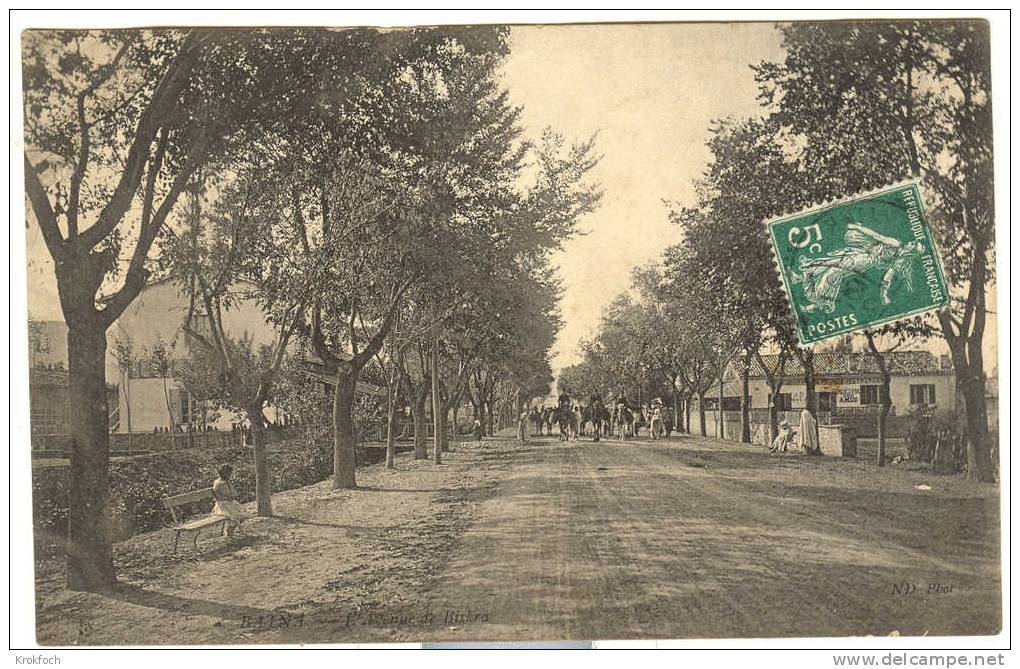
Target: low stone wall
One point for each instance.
(839, 441)
(866, 425)
(836, 440)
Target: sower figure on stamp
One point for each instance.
(866, 249)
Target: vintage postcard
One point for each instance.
(475, 333)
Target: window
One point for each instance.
(185, 408)
(922, 394)
(872, 394)
(827, 401)
(784, 402)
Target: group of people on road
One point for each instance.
(577, 419)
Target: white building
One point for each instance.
(149, 399)
(847, 383)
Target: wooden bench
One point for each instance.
(194, 526)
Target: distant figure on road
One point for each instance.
(656, 419)
(477, 430)
(522, 427)
(226, 500)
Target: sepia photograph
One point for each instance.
(518, 333)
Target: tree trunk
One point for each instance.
(127, 407)
(420, 425)
(745, 401)
(701, 413)
(810, 395)
(442, 413)
(444, 423)
(885, 399)
(436, 402)
(677, 410)
(774, 411)
(263, 494)
(721, 425)
(343, 424)
(170, 415)
(127, 402)
(980, 466)
(687, 413)
(882, 415)
(489, 415)
(391, 426)
(970, 378)
(89, 547)
(456, 430)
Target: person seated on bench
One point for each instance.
(226, 501)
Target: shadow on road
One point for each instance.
(132, 594)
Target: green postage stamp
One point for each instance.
(865, 261)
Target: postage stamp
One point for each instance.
(868, 260)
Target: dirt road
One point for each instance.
(690, 538)
(700, 539)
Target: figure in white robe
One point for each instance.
(808, 432)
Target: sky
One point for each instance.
(650, 92)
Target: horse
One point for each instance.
(624, 419)
(535, 418)
(598, 416)
(567, 422)
(549, 419)
(640, 422)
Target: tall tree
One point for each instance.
(116, 125)
(750, 179)
(879, 102)
(228, 258)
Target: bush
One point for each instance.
(937, 437)
(138, 485)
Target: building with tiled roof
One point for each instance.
(837, 364)
(847, 383)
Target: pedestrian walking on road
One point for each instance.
(522, 427)
(656, 426)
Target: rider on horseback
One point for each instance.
(564, 416)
